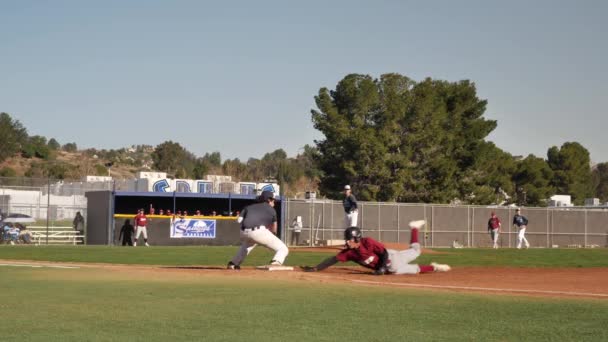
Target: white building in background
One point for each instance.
(560, 201)
(66, 198)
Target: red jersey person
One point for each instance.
(494, 228)
(372, 254)
(141, 223)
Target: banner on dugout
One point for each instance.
(193, 228)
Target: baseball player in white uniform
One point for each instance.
(521, 223)
(351, 211)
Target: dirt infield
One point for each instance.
(551, 282)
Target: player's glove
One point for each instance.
(309, 269)
(381, 271)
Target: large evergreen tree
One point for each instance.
(397, 140)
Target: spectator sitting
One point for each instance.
(7, 227)
(25, 235)
(14, 235)
(198, 212)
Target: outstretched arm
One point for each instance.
(323, 265)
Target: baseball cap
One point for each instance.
(347, 187)
(266, 195)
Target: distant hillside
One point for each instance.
(125, 163)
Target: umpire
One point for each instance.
(259, 226)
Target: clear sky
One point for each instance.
(239, 77)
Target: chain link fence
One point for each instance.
(447, 225)
(52, 203)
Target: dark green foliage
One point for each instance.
(54, 144)
(533, 181)
(600, 181)
(174, 159)
(101, 170)
(55, 170)
(7, 172)
(12, 136)
(70, 147)
(397, 140)
(36, 146)
(572, 171)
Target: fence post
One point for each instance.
(585, 246)
(379, 228)
(468, 226)
(548, 242)
(398, 223)
(432, 226)
(472, 227)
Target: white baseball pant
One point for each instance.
(350, 219)
(494, 234)
(522, 238)
(141, 230)
(400, 260)
(252, 237)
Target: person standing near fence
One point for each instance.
(297, 229)
(521, 223)
(351, 211)
(494, 228)
(78, 223)
(141, 223)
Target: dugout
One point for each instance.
(107, 211)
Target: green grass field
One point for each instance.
(219, 256)
(90, 304)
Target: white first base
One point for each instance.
(275, 268)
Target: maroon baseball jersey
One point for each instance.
(141, 220)
(366, 255)
(494, 222)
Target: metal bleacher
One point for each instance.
(56, 235)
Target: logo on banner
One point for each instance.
(193, 228)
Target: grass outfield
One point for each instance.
(219, 256)
(44, 304)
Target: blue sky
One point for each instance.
(240, 77)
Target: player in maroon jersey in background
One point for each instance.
(141, 223)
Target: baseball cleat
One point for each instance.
(440, 267)
(232, 266)
(135, 244)
(147, 245)
(275, 263)
(417, 224)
